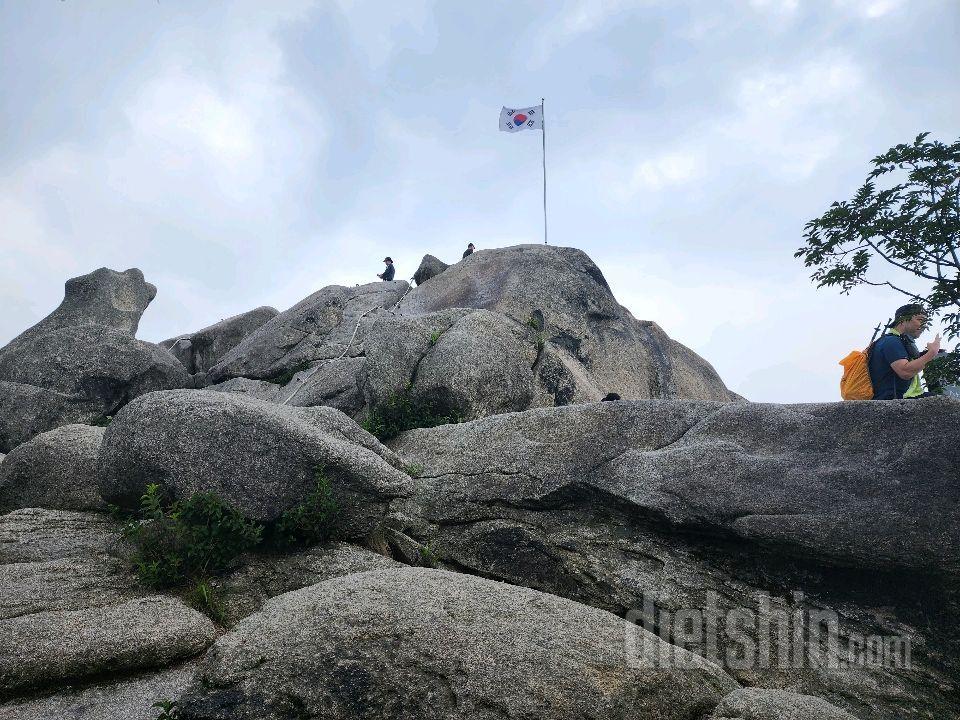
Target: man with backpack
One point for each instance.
(894, 360)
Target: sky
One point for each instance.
(248, 153)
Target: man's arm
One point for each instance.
(906, 369)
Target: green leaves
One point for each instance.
(189, 540)
(905, 218)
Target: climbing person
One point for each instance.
(894, 360)
(389, 271)
(468, 251)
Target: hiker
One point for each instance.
(894, 360)
(389, 271)
(468, 251)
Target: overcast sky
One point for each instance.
(249, 153)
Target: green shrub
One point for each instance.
(434, 336)
(400, 413)
(188, 540)
(311, 521)
(287, 375)
(101, 421)
(942, 371)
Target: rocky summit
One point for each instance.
(410, 501)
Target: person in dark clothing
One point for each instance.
(894, 360)
(389, 271)
(468, 251)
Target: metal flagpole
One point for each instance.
(543, 122)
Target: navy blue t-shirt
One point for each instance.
(887, 385)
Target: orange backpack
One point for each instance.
(855, 383)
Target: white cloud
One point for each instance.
(784, 7)
(871, 9)
(787, 120)
(667, 170)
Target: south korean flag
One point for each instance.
(517, 119)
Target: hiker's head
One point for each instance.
(470, 246)
(388, 260)
(910, 320)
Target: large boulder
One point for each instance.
(334, 383)
(259, 456)
(201, 350)
(94, 363)
(330, 323)
(829, 482)
(695, 505)
(430, 267)
(418, 643)
(563, 294)
(82, 361)
(71, 609)
(46, 648)
(762, 704)
(28, 410)
(468, 363)
(55, 470)
(265, 575)
(105, 298)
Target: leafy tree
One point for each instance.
(913, 226)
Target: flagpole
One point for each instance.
(543, 122)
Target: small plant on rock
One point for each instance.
(310, 522)
(435, 336)
(401, 413)
(168, 709)
(204, 597)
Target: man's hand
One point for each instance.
(934, 347)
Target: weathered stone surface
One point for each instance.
(55, 560)
(262, 577)
(334, 383)
(259, 389)
(259, 456)
(320, 327)
(760, 704)
(418, 643)
(105, 298)
(676, 501)
(82, 361)
(430, 267)
(827, 481)
(467, 363)
(563, 293)
(129, 699)
(37, 535)
(27, 411)
(54, 470)
(71, 609)
(54, 647)
(201, 350)
(92, 362)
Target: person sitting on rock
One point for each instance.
(895, 362)
(468, 251)
(389, 271)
